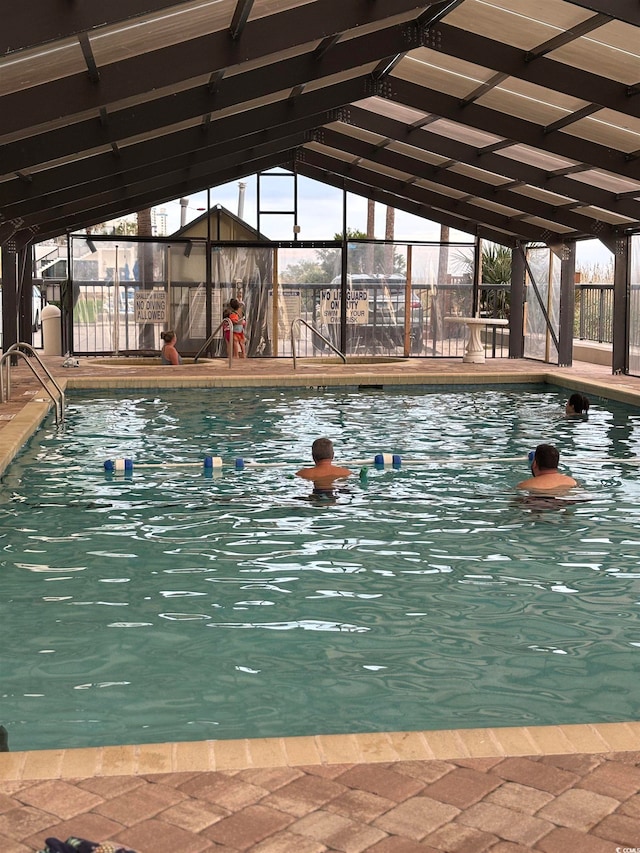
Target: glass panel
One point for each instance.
(108, 314)
(451, 268)
(545, 270)
(634, 307)
(403, 299)
(246, 273)
(305, 277)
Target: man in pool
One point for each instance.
(324, 473)
(546, 477)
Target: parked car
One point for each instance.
(126, 300)
(383, 329)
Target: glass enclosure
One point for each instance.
(634, 307)
(542, 305)
(399, 299)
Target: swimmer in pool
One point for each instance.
(170, 354)
(546, 477)
(324, 473)
(577, 405)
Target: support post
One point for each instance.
(567, 254)
(344, 278)
(25, 294)
(621, 299)
(477, 276)
(9, 295)
(516, 310)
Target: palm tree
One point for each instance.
(496, 264)
(496, 269)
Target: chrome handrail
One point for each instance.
(25, 350)
(226, 321)
(312, 328)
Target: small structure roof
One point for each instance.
(229, 226)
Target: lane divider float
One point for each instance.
(380, 460)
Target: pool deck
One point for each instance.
(505, 790)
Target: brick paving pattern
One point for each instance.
(551, 804)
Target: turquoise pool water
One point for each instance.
(178, 606)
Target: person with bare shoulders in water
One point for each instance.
(547, 488)
(545, 475)
(324, 473)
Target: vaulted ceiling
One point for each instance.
(517, 120)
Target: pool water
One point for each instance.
(179, 604)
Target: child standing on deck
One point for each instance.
(236, 315)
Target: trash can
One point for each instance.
(51, 330)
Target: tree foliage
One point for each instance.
(496, 264)
(363, 258)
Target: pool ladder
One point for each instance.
(25, 350)
(300, 322)
(227, 324)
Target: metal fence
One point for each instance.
(593, 316)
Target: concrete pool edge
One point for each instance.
(315, 750)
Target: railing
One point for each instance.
(25, 350)
(299, 321)
(593, 317)
(381, 330)
(228, 323)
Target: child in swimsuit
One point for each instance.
(236, 315)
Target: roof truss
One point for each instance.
(512, 122)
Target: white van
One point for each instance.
(37, 302)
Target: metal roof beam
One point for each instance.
(486, 159)
(153, 115)
(400, 203)
(32, 23)
(90, 62)
(622, 10)
(461, 183)
(512, 128)
(415, 193)
(76, 179)
(160, 194)
(138, 182)
(176, 64)
(313, 106)
(544, 71)
(416, 208)
(572, 118)
(568, 36)
(240, 18)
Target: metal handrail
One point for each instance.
(226, 321)
(312, 328)
(25, 350)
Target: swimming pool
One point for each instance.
(179, 604)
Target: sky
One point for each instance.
(320, 214)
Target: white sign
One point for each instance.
(357, 306)
(150, 306)
(197, 327)
(289, 307)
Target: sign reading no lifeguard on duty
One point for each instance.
(357, 306)
(150, 306)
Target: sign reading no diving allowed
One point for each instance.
(150, 306)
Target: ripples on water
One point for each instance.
(175, 606)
